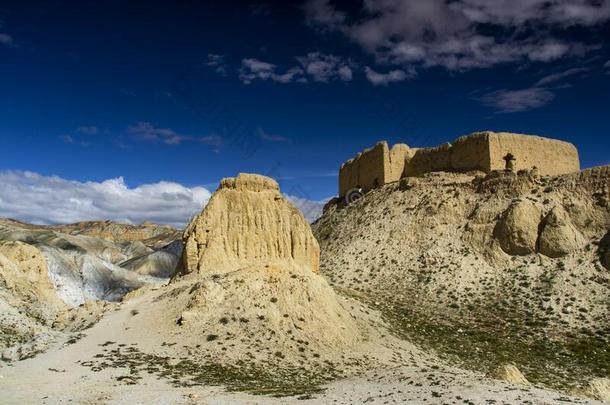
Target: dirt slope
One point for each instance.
(485, 270)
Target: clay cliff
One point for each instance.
(248, 221)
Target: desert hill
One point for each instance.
(434, 289)
(250, 311)
(484, 269)
(52, 281)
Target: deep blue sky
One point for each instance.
(164, 90)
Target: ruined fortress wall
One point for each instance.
(471, 152)
(550, 156)
(429, 160)
(367, 170)
(399, 154)
(479, 151)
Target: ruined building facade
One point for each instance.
(484, 151)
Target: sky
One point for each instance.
(133, 110)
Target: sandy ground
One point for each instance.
(57, 377)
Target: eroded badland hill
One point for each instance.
(484, 269)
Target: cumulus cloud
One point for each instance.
(511, 101)
(31, 197)
(324, 68)
(253, 69)
(147, 132)
(462, 34)
(34, 198)
(217, 63)
(384, 79)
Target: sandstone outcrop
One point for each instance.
(517, 229)
(559, 236)
(28, 301)
(248, 221)
(250, 278)
(509, 373)
(23, 271)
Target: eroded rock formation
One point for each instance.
(517, 229)
(559, 236)
(246, 222)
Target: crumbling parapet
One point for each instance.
(484, 151)
(374, 167)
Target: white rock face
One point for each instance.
(82, 268)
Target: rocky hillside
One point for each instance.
(150, 234)
(249, 297)
(250, 310)
(484, 269)
(47, 277)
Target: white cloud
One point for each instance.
(463, 34)
(254, 69)
(384, 79)
(270, 137)
(555, 77)
(607, 64)
(5, 39)
(318, 67)
(32, 197)
(510, 101)
(147, 132)
(325, 67)
(217, 62)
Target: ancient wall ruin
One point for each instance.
(550, 156)
(483, 151)
(427, 160)
(374, 167)
(471, 152)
